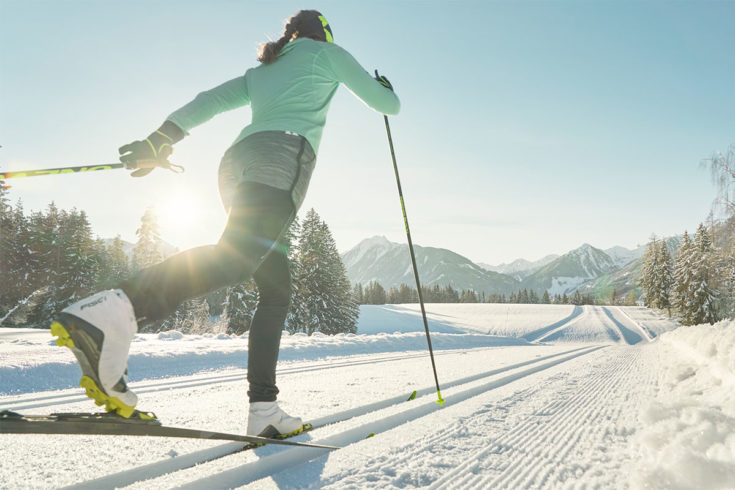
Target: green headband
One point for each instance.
(327, 29)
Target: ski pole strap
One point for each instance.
(153, 163)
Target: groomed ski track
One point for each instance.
(342, 429)
(540, 415)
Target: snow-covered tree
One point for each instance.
(468, 296)
(657, 275)
(117, 264)
(407, 294)
(630, 298)
(696, 279)
(664, 276)
(15, 259)
(239, 307)
(322, 300)
(683, 279)
(146, 251)
(80, 258)
(647, 282)
(357, 294)
(374, 294)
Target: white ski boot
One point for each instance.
(99, 330)
(266, 419)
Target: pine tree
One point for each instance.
(375, 294)
(450, 295)
(468, 296)
(15, 285)
(649, 274)
(392, 296)
(664, 276)
(630, 298)
(358, 295)
(545, 298)
(322, 299)
(577, 298)
(702, 291)
(239, 307)
(46, 251)
(146, 251)
(80, 259)
(8, 236)
(117, 264)
(407, 294)
(683, 279)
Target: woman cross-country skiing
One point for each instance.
(263, 179)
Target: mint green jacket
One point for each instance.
(292, 93)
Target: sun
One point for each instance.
(178, 217)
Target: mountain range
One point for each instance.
(586, 268)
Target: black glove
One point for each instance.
(383, 81)
(152, 152)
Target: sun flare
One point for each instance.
(178, 215)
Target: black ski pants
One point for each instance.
(249, 247)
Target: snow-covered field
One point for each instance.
(536, 397)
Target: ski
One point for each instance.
(82, 423)
(183, 462)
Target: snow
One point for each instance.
(561, 285)
(688, 436)
(537, 396)
(378, 245)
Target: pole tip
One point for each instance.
(439, 400)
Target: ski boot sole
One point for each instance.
(303, 428)
(271, 433)
(88, 381)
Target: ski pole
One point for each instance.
(60, 170)
(440, 400)
(89, 168)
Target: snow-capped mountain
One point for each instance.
(587, 269)
(520, 268)
(622, 280)
(388, 263)
(623, 256)
(568, 272)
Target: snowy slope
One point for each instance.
(594, 408)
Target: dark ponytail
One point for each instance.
(305, 23)
(269, 51)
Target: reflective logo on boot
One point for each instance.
(93, 303)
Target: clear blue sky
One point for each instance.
(527, 128)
